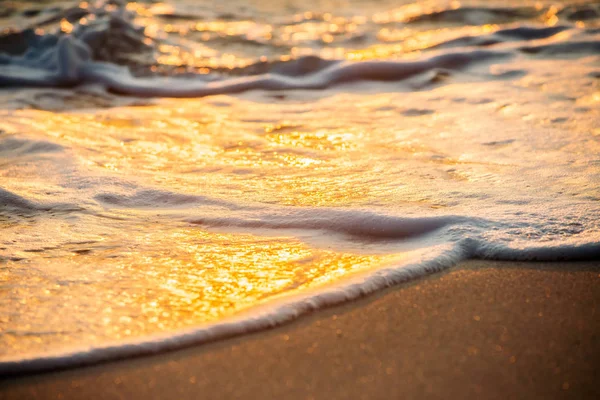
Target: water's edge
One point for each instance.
(292, 307)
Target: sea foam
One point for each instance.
(473, 172)
(83, 56)
(69, 63)
(437, 259)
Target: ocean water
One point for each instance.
(174, 173)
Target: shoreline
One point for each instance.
(483, 328)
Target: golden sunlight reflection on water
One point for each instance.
(227, 44)
(162, 280)
(110, 263)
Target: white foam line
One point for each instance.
(290, 308)
(266, 317)
(352, 222)
(561, 252)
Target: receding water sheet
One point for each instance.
(173, 173)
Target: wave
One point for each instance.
(290, 308)
(70, 63)
(362, 224)
(12, 201)
(495, 15)
(564, 49)
(522, 33)
(476, 15)
(12, 204)
(151, 198)
(111, 51)
(109, 35)
(106, 51)
(584, 12)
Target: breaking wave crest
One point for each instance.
(70, 63)
(106, 50)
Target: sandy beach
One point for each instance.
(492, 330)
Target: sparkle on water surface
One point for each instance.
(120, 250)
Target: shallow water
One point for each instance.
(323, 150)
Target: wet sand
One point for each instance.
(482, 330)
